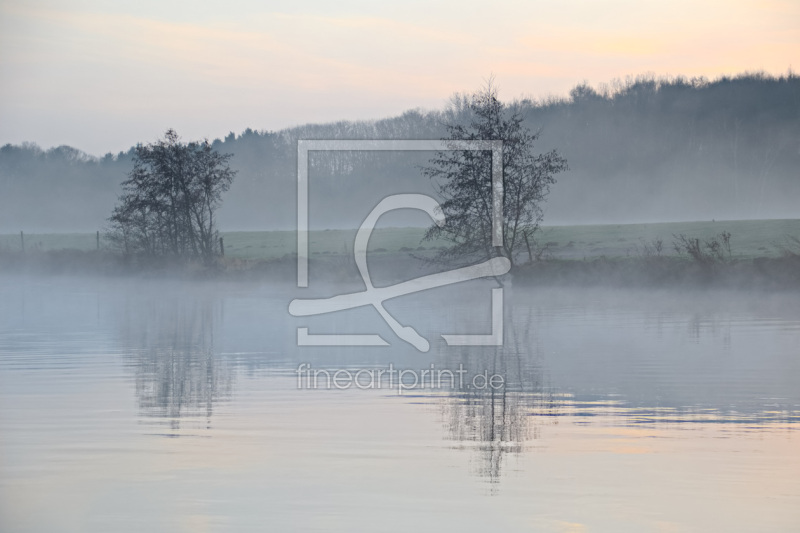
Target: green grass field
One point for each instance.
(749, 238)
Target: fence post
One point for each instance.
(221, 247)
(22, 240)
(98, 239)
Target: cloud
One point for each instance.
(246, 66)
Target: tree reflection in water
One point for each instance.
(170, 347)
(500, 421)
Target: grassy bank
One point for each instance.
(750, 239)
(762, 254)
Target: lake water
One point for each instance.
(155, 406)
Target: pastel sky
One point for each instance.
(103, 75)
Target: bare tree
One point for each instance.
(169, 199)
(706, 252)
(464, 179)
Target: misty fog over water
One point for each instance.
(375, 267)
(128, 403)
(162, 369)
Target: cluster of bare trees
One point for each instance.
(717, 248)
(169, 200)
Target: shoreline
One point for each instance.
(656, 272)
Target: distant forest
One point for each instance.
(640, 150)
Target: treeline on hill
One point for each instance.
(643, 149)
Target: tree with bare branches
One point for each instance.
(464, 180)
(170, 198)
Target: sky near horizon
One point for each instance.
(103, 75)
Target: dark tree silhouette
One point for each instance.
(639, 149)
(464, 180)
(170, 198)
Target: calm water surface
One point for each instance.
(150, 406)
